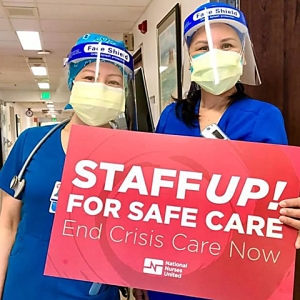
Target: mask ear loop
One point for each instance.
(211, 47)
(98, 62)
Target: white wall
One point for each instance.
(26, 122)
(156, 11)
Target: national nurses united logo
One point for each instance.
(164, 268)
(153, 266)
(54, 197)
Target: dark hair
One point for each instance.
(185, 107)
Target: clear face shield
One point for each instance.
(101, 83)
(220, 49)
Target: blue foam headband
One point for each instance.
(217, 13)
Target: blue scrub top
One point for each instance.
(244, 120)
(25, 279)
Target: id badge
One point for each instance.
(54, 198)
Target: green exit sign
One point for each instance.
(54, 119)
(45, 95)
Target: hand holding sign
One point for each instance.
(291, 215)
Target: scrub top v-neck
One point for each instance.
(244, 120)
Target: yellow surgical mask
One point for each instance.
(96, 103)
(229, 68)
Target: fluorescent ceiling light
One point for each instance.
(53, 116)
(30, 40)
(44, 85)
(39, 71)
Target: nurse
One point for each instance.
(222, 60)
(100, 70)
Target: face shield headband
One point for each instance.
(215, 14)
(86, 53)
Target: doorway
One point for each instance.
(12, 124)
(138, 58)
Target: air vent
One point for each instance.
(35, 60)
(42, 80)
(22, 12)
(54, 112)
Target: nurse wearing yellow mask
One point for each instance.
(100, 71)
(100, 75)
(222, 60)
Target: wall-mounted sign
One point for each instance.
(45, 95)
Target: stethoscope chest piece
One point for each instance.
(17, 185)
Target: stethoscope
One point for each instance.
(18, 182)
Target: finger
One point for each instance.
(294, 202)
(137, 294)
(290, 212)
(297, 244)
(290, 222)
(145, 295)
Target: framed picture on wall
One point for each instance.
(233, 3)
(169, 57)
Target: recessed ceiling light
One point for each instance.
(39, 71)
(44, 85)
(30, 40)
(45, 52)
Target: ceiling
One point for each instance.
(60, 23)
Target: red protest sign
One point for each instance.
(176, 214)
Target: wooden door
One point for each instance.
(275, 32)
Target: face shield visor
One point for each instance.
(102, 90)
(219, 48)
